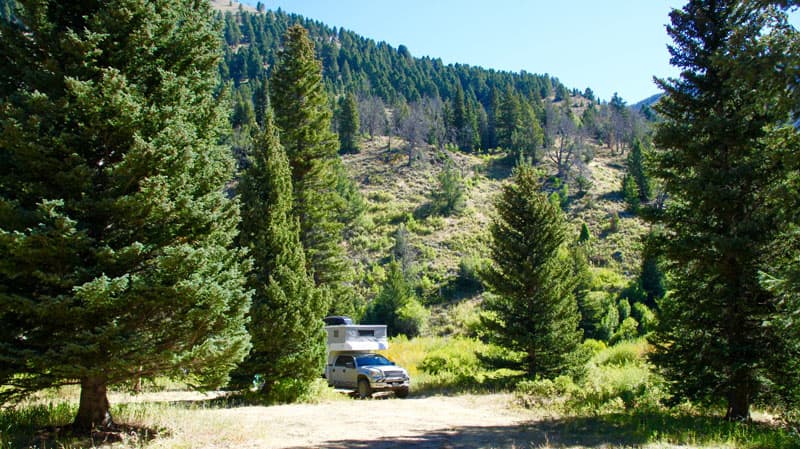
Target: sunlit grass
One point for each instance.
(448, 365)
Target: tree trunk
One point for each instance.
(94, 409)
(738, 404)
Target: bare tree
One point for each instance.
(372, 112)
(566, 138)
(420, 122)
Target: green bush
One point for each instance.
(628, 330)
(611, 389)
(380, 196)
(645, 317)
(469, 269)
(462, 319)
(620, 355)
(599, 315)
(545, 393)
(624, 308)
(618, 380)
(594, 346)
(412, 318)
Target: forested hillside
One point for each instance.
(428, 107)
(474, 108)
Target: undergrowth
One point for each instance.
(621, 391)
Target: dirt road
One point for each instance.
(434, 422)
(485, 421)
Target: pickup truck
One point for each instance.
(354, 364)
(368, 373)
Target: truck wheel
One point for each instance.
(364, 390)
(402, 394)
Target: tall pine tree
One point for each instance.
(115, 233)
(303, 117)
(286, 315)
(348, 124)
(534, 310)
(717, 166)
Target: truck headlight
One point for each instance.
(375, 374)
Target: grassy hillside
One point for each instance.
(398, 193)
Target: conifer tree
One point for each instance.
(534, 310)
(286, 314)
(716, 164)
(303, 117)
(348, 124)
(636, 169)
(116, 234)
(450, 197)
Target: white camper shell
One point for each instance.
(356, 338)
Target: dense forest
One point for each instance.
(472, 108)
(185, 194)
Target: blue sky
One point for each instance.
(608, 45)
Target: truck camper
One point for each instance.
(353, 362)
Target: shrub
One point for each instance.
(469, 269)
(584, 185)
(613, 222)
(545, 393)
(412, 318)
(611, 389)
(380, 196)
(645, 317)
(594, 346)
(619, 380)
(628, 330)
(599, 316)
(462, 319)
(619, 355)
(624, 308)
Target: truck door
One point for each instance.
(344, 373)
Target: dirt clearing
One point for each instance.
(485, 421)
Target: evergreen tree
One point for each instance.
(630, 193)
(716, 163)
(397, 305)
(286, 315)
(261, 104)
(534, 310)
(509, 119)
(116, 234)
(303, 117)
(463, 123)
(636, 169)
(651, 278)
(348, 124)
(450, 197)
(585, 235)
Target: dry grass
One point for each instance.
(232, 6)
(398, 193)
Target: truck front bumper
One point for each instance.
(391, 385)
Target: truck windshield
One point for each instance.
(372, 360)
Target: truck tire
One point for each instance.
(402, 393)
(364, 390)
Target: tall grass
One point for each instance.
(448, 365)
(622, 392)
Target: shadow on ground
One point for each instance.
(581, 432)
(615, 430)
